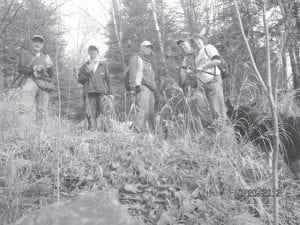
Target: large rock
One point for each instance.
(93, 208)
(244, 219)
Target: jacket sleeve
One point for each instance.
(22, 68)
(108, 80)
(82, 75)
(182, 74)
(133, 69)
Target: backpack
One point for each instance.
(223, 67)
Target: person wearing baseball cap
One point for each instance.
(189, 84)
(38, 38)
(95, 78)
(147, 44)
(186, 74)
(37, 82)
(142, 85)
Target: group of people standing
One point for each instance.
(200, 63)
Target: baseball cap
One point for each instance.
(199, 36)
(38, 37)
(180, 41)
(93, 47)
(146, 43)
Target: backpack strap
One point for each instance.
(215, 72)
(206, 52)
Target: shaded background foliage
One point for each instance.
(134, 23)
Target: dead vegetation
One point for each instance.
(173, 181)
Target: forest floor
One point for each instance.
(174, 181)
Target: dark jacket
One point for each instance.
(186, 80)
(148, 73)
(98, 82)
(28, 60)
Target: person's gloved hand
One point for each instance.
(156, 99)
(138, 88)
(189, 70)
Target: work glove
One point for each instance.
(138, 88)
(156, 99)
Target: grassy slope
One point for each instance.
(175, 181)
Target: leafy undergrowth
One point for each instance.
(173, 181)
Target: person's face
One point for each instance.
(147, 50)
(93, 53)
(37, 45)
(186, 47)
(199, 44)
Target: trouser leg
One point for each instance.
(143, 106)
(214, 93)
(102, 111)
(27, 105)
(91, 110)
(150, 115)
(42, 105)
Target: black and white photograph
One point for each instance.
(149, 112)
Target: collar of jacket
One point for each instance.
(36, 54)
(144, 57)
(100, 62)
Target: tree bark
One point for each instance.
(157, 29)
(118, 34)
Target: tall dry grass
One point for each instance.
(197, 178)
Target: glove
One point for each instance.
(189, 70)
(138, 88)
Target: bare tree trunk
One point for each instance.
(118, 34)
(294, 66)
(294, 47)
(287, 18)
(273, 108)
(157, 29)
(189, 14)
(284, 72)
(268, 90)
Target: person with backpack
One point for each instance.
(208, 72)
(142, 86)
(94, 76)
(36, 83)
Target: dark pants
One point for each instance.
(93, 108)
